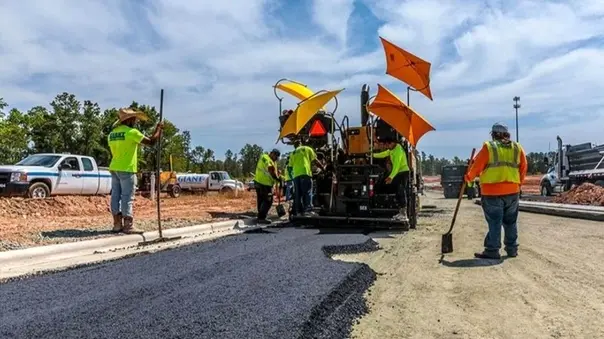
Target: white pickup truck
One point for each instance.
(218, 181)
(45, 174)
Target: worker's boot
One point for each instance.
(401, 215)
(487, 255)
(117, 223)
(129, 226)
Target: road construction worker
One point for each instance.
(288, 178)
(398, 179)
(301, 160)
(502, 166)
(265, 178)
(124, 141)
(470, 190)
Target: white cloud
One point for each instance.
(333, 16)
(217, 61)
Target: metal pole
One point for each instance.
(158, 164)
(516, 107)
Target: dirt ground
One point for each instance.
(553, 289)
(27, 222)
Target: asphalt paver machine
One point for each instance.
(351, 190)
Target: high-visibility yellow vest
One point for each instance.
(262, 175)
(504, 163)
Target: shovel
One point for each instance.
(447, 238)
(280, 208)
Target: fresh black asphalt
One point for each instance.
(280, 285)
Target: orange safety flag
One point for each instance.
(407, 122)
(408, 68)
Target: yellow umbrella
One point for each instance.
(294, 88)
(305, 111)
(401, 117)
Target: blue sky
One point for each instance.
(218, 60)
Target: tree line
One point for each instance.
(433, 166)
(81, 127)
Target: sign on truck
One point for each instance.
(48, 174)
(217, 181)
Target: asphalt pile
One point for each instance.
(584, 194)
(277, 284)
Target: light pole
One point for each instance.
(517, 106)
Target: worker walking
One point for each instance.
(398, 179)
(502, 166)
(300, 161)
(265, 178)
(123, 141)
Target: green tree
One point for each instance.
(249, 158)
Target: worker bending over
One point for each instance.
(502, 166)
(301, 160)
(123, 141)
(399, 175)
(265, 178)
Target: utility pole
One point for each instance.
(517, 106)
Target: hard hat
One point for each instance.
(499, 128)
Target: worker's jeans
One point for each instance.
(501, 211)
(302, 194)
(399, 186)
(122, 192)
(264, 200)
(289, 186)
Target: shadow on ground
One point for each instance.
(230, 215)
(473, 262)
(74, 233)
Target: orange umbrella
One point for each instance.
(408, 68)
(401, 117)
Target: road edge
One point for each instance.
(593, 213)
(36, 258)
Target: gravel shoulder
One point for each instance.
(553, 289)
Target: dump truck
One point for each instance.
(573, 165)
(351, 190)
(451, 180)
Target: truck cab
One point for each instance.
(45, 174)
(573, 165)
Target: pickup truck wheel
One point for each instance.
(38, 190)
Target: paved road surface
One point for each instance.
(277, 285)
(553, 289)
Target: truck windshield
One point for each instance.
(39, 160)
(225, 176)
